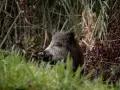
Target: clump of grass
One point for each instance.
(39, 20)
(15, 73)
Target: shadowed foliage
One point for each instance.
(26, 26)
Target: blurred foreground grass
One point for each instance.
(16, 74)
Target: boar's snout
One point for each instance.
(45, 56)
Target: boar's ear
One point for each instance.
(54, 31)
(71, 35)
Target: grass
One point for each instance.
(42, 16)
(90, 16)
(16, 74)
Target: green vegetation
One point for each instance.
(27, 27)
(16, 74)
(24, 24)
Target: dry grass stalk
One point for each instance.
(89, 25)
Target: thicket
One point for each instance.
(26, 26)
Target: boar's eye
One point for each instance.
(58, 44)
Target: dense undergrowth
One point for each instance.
(16, 74)
(27, 26)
